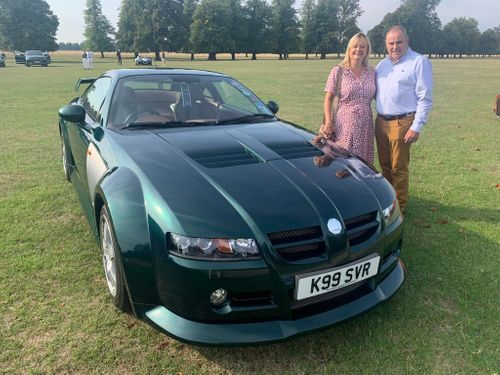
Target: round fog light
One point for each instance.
(218, 297)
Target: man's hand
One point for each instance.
(411, 136)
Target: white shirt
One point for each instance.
(405, 86)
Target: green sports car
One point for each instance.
(218, 222)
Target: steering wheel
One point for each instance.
(134, 115)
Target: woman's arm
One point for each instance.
(327, 127)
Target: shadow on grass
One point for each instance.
(447, 285)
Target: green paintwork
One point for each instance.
(185, 180)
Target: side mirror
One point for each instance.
(72, 113)
(273, 106)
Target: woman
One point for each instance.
(352, 127)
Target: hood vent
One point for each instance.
(227, 160)
(296, 151)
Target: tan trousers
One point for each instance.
(394, 154)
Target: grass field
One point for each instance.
(55, 316)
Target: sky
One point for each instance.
(486, 12)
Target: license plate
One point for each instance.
(316, 283)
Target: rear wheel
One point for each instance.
(113, 268)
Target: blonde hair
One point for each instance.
(347, 59)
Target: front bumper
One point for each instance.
(269, 331)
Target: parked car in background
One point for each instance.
(19, 57)
(218, 222)
(35, 57)
(139, 60)
(2, 59)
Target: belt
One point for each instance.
(396, 117)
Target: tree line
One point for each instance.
(242, 26)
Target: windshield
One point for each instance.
(183, 100)
(33, 52)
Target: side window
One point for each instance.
(94, 96)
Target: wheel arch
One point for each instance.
(121, 191)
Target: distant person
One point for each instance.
(351, 127)
(404, 101)
(119, 56)
(90, 59)
(84, 60)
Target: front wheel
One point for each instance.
(64, 155)
(113, 268)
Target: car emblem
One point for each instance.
(334, 226)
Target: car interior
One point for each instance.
(175, 102)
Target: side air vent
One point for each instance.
(296, 151)
(298, 244)
(227, 160)
(361, 228)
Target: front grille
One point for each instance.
(298, 244)
(361, 228)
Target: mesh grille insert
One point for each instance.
(293, 235)
(301, 243)
(361, 228)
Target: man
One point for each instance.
(404, 100)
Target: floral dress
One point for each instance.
(354, 119)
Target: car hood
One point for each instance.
(251, 179)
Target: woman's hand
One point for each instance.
(328, 130)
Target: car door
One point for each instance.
(81, 136)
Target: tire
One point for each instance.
(65, 160)
(112, 263)
(28, 64)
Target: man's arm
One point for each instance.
(423, 91)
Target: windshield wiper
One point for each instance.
(246, 118)
(132, 125)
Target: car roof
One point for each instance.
(120, 73)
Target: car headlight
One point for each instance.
(392, 213)
(214, 248)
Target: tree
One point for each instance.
(127, 25)
(210, 31)
(151, 25)
(257, 23)
(488, 43)
(26, 24)
(462, 36)
(284, 28)
(187, 19)
(97, 28)
(421, 21)
(377, 39)
(236, 21)
(70, 46)
(307, 15)
(347, 18)
(326, 27)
